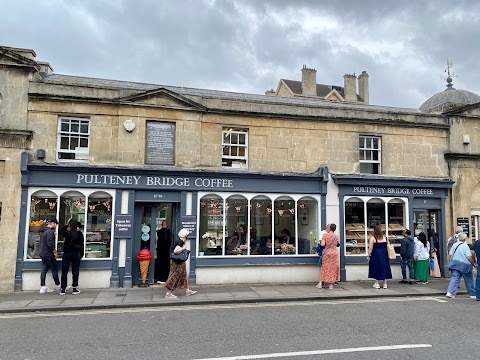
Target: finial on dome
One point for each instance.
(449, 79)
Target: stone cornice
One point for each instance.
(11, 138)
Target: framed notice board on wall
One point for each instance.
(160, 143)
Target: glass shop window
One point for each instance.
(307, 224)
(211, 225)
(43, 206)
(236, 230)
(261, 226)
(355, 233)
(285, 237)
(99, 225)
(72, 205)
(396, 222)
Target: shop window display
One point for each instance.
(307, 224)
(355, 237)
(236, 234)
(261, 225)
(92, 209)
(72, 205)
(43, 206)
(211, 225)
(254, 224)
(363, 214)
(284, 230)
(99, 226)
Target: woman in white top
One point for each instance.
(421, 259)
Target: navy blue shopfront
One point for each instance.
(146, 194)
(395, 204)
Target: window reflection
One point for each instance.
(261, 226)
(211, 225)
(99, 225)
(236, 210)
(43, 206)
(307, 224)
(284, 226)
(72, 205)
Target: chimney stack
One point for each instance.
(309, 81)
(363, 86)
(350, 87)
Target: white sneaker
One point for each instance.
(450, 295)
(59, 287)
(318, 286)
(473, 297)
(44, 290)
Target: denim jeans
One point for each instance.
(403, 264)
(49, 262)
(74, 259)
(455, 280)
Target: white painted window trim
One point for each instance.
(249, 197)
(365, 199)
(242, 158)
(59, 192)
(370, 148)
(68, 134)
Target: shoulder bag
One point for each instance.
(321, 256)
(391, 251)
(180, 257)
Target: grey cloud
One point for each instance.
(242, 46)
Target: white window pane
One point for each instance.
(226, 138)
(242, 139)
(64, 126)
(375, 155)
(84, 128)
(375, 143)
(234, 138)
(361, 155)
(83, 142)
(241, 151)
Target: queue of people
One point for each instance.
(418, 256)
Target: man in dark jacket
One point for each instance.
(162, 262)
(49, 255)
(407, 248)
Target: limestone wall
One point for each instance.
(10, 191)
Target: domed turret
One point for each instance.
(450, 98)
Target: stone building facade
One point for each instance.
(102, 149)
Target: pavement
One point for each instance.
(32, 301)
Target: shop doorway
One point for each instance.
(429, 222)
(148, 221)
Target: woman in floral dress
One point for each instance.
(330, 260)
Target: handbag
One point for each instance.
(320, 260)
(391, 252)
(180, 257)
(432, 264)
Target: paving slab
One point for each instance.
(51, 302)
(78, 301)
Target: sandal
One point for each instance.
(190, 292)
(170, 296)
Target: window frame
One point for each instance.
(252, 196)
(370, 149)
(59, 192)
(395, 240)
(242, 159)
(68, 134)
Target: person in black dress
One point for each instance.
(162, 263)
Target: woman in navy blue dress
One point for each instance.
(378, 263)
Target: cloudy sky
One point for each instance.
(248, 45)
